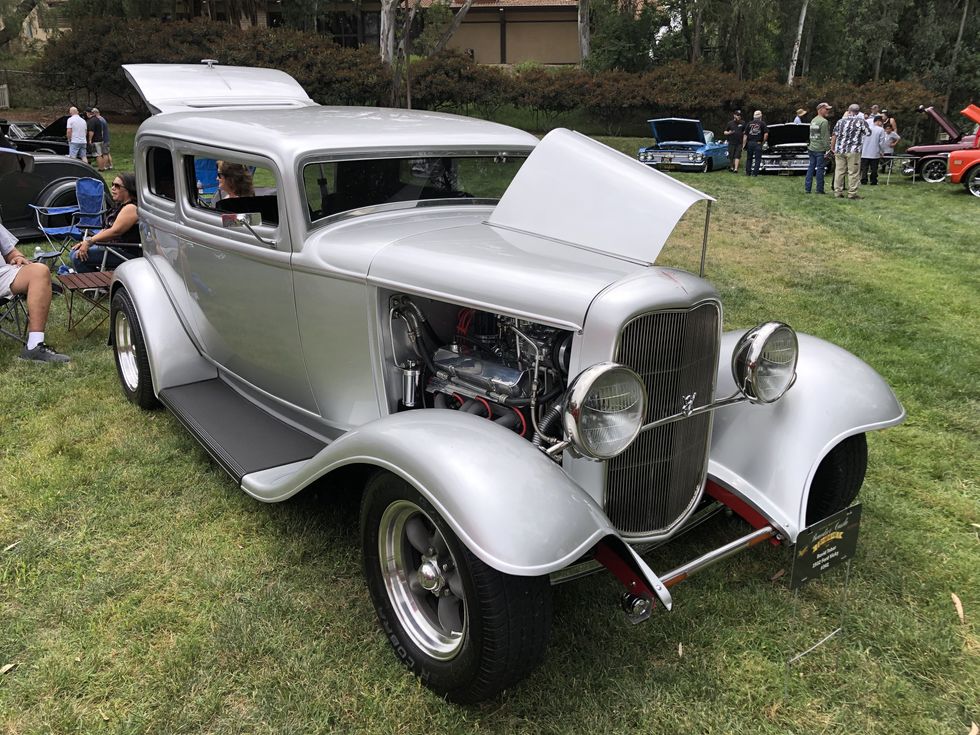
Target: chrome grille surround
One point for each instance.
(655, 484)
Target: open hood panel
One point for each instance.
(182, 87)
(789, 134)
(578, 191)
(971, 112)
(676, 129)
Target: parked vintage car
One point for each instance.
(49, 181)
(786, 149)
(964, 164)
(683, 145)
(34, 137)
(470, 321)
(930, 162)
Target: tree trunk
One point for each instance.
(13, 21)
(796, 45)
(881, 51)
(583, 29)
(696, 35)
(809, 48)
(387, 31)
(956, 52)
(453, 27)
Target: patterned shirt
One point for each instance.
(849, 134)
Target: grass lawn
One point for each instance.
(142, 591)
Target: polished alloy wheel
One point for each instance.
(934, 171)
(422, 580)
(126, 352)
(973, 182)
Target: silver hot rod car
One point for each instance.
(472, 318)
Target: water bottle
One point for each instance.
(37, 253)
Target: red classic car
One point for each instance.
(964, 165)
(930, 160)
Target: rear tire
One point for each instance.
(838, 479)
(465, 629)
(129, 350)
(972, 181)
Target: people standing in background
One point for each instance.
(889, 140)
(106, 163)
(799, 115)
(817, 148)
(94, 128)
(889, 120)
(846, 143)
(77, 134)
(734, 132)
(871, 152)
(756, 134)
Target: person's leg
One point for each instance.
(865, 162)
(873, 178)
(810, 169)
(853, 173)
(94, 262)
(34, 280)
(758, 159)
(821, 168)
(840, 171)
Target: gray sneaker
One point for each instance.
(43, 353)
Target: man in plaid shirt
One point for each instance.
(846, 143)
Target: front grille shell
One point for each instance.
(655, 484)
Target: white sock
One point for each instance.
(34, 339)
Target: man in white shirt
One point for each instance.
(77, 134)
(19, 276)
(871, 152)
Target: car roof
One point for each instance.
(290, 133)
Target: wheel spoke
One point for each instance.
(450, 614)
(455, 582)
(418, 535)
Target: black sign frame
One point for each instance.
(825, 545)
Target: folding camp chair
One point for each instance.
(13, 318)
(85, 218)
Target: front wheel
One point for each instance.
(934, 171)
(129, 349)
(972, 181)
(465, 629)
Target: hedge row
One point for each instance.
(331, 74)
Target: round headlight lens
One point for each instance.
(604, 410)
(764, 362)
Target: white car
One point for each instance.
(472, 319)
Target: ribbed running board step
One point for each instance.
(240, 436)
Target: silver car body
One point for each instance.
(301, 327)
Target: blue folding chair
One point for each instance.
(206, 171)
(85, 218)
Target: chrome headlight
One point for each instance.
(697, 157)
(764, 362)
(604, 409)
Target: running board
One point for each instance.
(240, 436)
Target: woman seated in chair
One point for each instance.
(121, 234)
(234, 180)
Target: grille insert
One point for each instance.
(651, 485)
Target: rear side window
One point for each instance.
(160, 173)
(229, 185)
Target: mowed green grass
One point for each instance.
(142, 591)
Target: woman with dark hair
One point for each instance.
(121, 232)
(234, 180)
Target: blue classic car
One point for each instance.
(684, 145)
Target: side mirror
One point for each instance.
(231, 219)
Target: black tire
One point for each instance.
(706, 166)
(505, 620)
(972, 181)
(933, 171)
(129, 351)
(838, 479)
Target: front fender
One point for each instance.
(768, 454)
(511, 505)
(174, 360)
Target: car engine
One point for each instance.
(510, 371)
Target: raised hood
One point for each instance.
(788, 134)
(57, 129)
(580, 192)
(971, 112)
(951, 130)
(676, 130)
(182, 87)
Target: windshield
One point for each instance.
(333, 187)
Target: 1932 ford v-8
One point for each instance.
(473, 317)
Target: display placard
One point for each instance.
(825, 545)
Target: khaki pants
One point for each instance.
(849, 165)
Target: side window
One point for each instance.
(160, 173)
(227, 185)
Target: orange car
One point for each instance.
(964, 165)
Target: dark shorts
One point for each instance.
(734, 150)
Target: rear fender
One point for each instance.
(510, 504)
(174, 360)
(768, 454)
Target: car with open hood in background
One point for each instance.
(964, 163)
(786, 149)
(34, 137)
(683, 145)
(470, 323)
(930, 162)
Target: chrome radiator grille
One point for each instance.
(652, 484)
